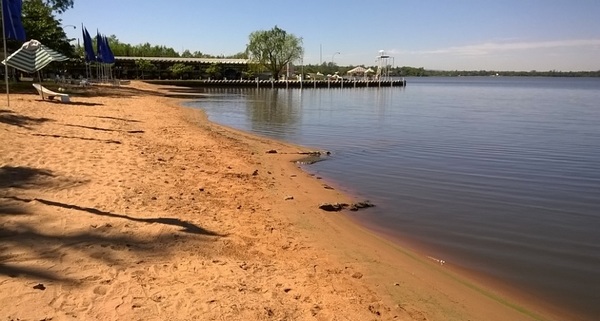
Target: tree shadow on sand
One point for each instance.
(110, 91)
(51, 247)
(185, 226)
(106, 129)
(11, 118)
(33, 248)
(22, 176)
(107, 141)
(117, 118)
(72, 103)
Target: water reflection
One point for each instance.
(274, 111)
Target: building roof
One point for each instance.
(188, 60)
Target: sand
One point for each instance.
(123, 205)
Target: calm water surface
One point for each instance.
(499, 176)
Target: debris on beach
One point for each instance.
(441, 262)
(39, 286)
(315, 153)
(271, 151)
(360, 205)
(336, 207)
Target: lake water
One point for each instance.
(499, 176)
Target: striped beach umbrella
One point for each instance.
(32, 57)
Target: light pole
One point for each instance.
(74, 27)
(335, 53)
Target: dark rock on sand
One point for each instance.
(360, 205)
(335, 207)
(39, 286)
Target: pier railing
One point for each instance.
(347, 83)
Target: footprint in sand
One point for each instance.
(100, 290)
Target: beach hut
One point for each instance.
(358, 71)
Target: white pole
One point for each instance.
(5, 55)
(302, 72)
(320, 54)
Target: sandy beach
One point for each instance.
(123, 205)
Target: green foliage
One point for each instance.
(186, 54)
(142, 50)
(40, 24)
(274, 49)
(148, 50)
(144, 65)
(248, 74)
(422, 72)
(239, 55)
(214, 71)
(196, 54)
(59, 6)
(255, 69)
(199, 54)
(179, 69)
(408, 71)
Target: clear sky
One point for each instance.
(435, 34)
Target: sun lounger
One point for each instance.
(47, 93)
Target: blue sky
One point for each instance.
(434, 34)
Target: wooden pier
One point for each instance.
(307, 84)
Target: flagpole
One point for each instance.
(5, 54)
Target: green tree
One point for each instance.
(144, 65)
(274, 49)
(239, 55)
(40, 24)
(141, 50)
(214, 71)
(180, 69)
(118, 48)
(186, 54)
(59, 6)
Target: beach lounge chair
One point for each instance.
(47, 93)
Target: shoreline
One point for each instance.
(172, 222)
(493, 287)
(506, 294)
(487, 284)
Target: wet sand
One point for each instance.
(123, 205)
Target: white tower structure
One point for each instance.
(384, 64)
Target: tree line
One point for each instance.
(148, 50)
(422, 72)
(406, 71)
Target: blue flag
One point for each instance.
(88, 46)
(108, 55)
(99, 47)
(11, 19)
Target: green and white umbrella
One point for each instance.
(32, 57)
